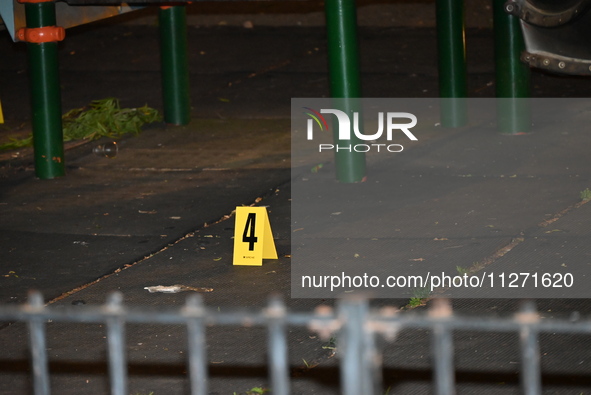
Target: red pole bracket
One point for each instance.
(40, 35)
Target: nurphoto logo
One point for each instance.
(392, 121)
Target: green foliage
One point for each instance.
(418, 295)
(331, 345)
(462, 270)
(101, 118)
(255, 391)
(414, 302)
(17, 143)
(106, 118)
(421, 293)
(586, 194)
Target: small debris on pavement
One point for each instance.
(317, 168)
(172, 289)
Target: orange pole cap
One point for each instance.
(40, 35)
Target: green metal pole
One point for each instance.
(343, 61)
(45, 95)
(451, 42)
(512, 75)
(175, 64)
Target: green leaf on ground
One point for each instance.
(101, 118)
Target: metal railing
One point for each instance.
(356, 326)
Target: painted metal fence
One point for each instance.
(356, 326)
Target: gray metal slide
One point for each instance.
(557, 34)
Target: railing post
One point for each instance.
(530, 350)
(443, 349)
(343, 61)
(512, 75)
(38, 346)
(42, 36)
(116, 344)
(197, 344)
(175, 64)
(279, 368)
(451, 42)
(356, 346)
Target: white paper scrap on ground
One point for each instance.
(172, 289)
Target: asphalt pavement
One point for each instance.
(161, 211)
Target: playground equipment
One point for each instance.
(44, 29)
(42, 34)
(41, 24)
(557, 34)
(556, 38)
(13, 14)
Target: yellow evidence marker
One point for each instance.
(253, 239)
(1, 114)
